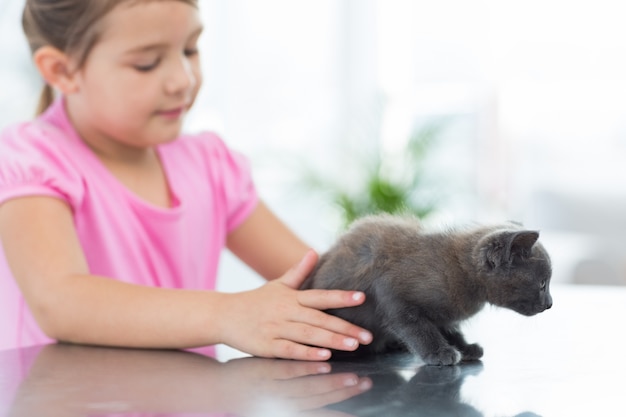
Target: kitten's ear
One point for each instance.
(523, 241)
(505, 246)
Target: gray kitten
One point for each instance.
(421, 285)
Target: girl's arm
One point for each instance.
(265, 244)
(69, 304)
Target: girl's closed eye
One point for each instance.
(148, 66)
(191, 51)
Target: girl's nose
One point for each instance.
(181, 78)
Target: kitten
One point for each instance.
(421, 285)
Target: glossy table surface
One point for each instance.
(567, 361)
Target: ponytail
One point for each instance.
(45, 99)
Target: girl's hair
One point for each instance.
(71, 26)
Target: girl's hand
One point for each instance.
(278, 320)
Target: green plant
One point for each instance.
(384, 182)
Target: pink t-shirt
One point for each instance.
(124, 237)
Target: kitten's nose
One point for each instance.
(549, 303)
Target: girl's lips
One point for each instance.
(172, 113)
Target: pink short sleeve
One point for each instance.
(30, 167)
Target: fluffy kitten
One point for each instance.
(421, 284)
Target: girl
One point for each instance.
(112, 221)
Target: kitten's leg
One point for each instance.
(396, 346)
(470, 352)
(423, 338)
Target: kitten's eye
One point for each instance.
(543, 284)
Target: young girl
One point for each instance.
(112, 221)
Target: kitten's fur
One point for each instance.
(421, 284)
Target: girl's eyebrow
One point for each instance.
(162, 45)
(146, 48)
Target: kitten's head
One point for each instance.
(516, 270)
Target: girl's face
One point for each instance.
(140, 78)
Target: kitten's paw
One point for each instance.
(444, 356)
(472, 352)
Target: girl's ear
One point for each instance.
(55, 67)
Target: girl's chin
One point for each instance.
(160, 137)
(168, 131)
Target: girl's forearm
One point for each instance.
(94, 310)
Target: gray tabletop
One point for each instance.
(567, 361)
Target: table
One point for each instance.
(567, 361)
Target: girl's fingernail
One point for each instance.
(350, 342)
(366, 337)
(323, 353)
(358, 296)
(350, 382)
(365, 384)
(324, 369)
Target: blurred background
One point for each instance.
(517, 109)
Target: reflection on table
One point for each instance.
(564, 362)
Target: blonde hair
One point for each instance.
(71, 26)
